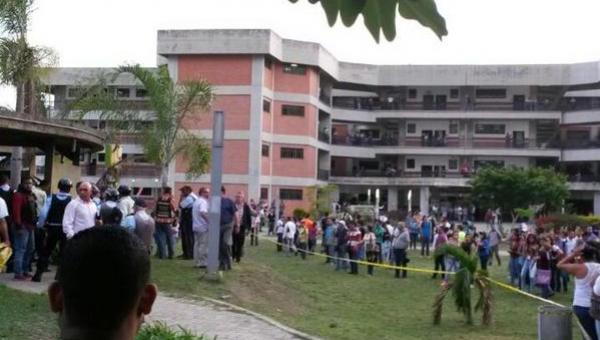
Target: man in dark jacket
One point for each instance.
(24, 213)
(51, 220)
(243, 224)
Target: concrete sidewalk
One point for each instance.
(211, 318)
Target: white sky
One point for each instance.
(105, 33)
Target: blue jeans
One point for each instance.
(341, 261)
(164, 239)
(525, 279)
(515, 266)
(588, 323)
(23, 244)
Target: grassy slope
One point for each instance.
(310, 296)
(25, 316)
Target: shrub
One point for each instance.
(299, 213)
(567, 220)
(160, 331)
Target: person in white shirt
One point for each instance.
(288, 236)
(186, 222)
(279, 230)
(80, 213)
(3, 225)
(571, 242)
(200, 227)
(126, 203)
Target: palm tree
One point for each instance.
(20, 63)
(173, 104)
(467, 275)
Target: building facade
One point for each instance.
(296, 117)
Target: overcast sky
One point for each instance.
(110, 32)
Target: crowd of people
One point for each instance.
(38, 226)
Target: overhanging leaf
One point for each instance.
(350, 9)
(425, 12)
(331, 8)
(371, 17)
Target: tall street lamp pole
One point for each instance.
(215, 199)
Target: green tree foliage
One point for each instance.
(173, 104)
(380, 15)
(460, 285)
(513, 188)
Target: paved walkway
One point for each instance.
(225, 321)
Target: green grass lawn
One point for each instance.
(312, 297)
(26, 316)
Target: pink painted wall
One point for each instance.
(216, 69)
(294, 167)
(268, 80)
(265, 165)
(307, 83)
(235, 158)
(237, 113)
(231, 189)
(266, 123)
(293, 125)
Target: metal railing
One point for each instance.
(322, 174)
(324, 137)
(128, 170)
(450, 142)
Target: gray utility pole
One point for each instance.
(214, 217)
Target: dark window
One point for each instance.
(122, 92)
(490, 93)
(74, 92)
(292, 110)
(368, 165)
(141, 93)
(454, 93)
(412, 93)
(370, 133)
(411, 128)
(266, 105)
(410, 163)
(268, 63)
(290, 194)
(143, 192)
(490, 129)
(453, 128)
(294, 68)
(482, 163)
(102, 125)
(101, 157)
(453, 164)
(294, 153)
(264, 193)
(265, 150)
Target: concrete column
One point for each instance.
(255, 140)
(597, 203)
(424, 200)
(392, 199)
(401, 132)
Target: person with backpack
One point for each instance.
(51, 218)
(24, 213)
(483, 250)
(371, 248)
(164, 217)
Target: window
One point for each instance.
(268, 63)
(290, 194)
(265, 150)
(100, 157)
(412, 93)
(490, 129)
(74, 92)
(370, 133)
(266, 105)
(411, 128)
(143, 192)
(483, 163)
(453, 164)
(490, 93)
(122, 92)
(454, 93)
(141, 93)
(410, 163)
(294, 153)
(294, 68)
(453, 130)
(264, 193)
(292, 110)
(368, 165)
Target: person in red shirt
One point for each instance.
(24, 214)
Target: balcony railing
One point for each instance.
(325, 99)
(374, 104)
(322, 174)
(580, 103)
(393, 173)
(324, 137)
(581, 144)
(452, 142)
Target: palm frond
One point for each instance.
(462, 293)
(196, 152)
(485, 300)
(466, 261)
(438, 303)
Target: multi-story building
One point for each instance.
(297, 117)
